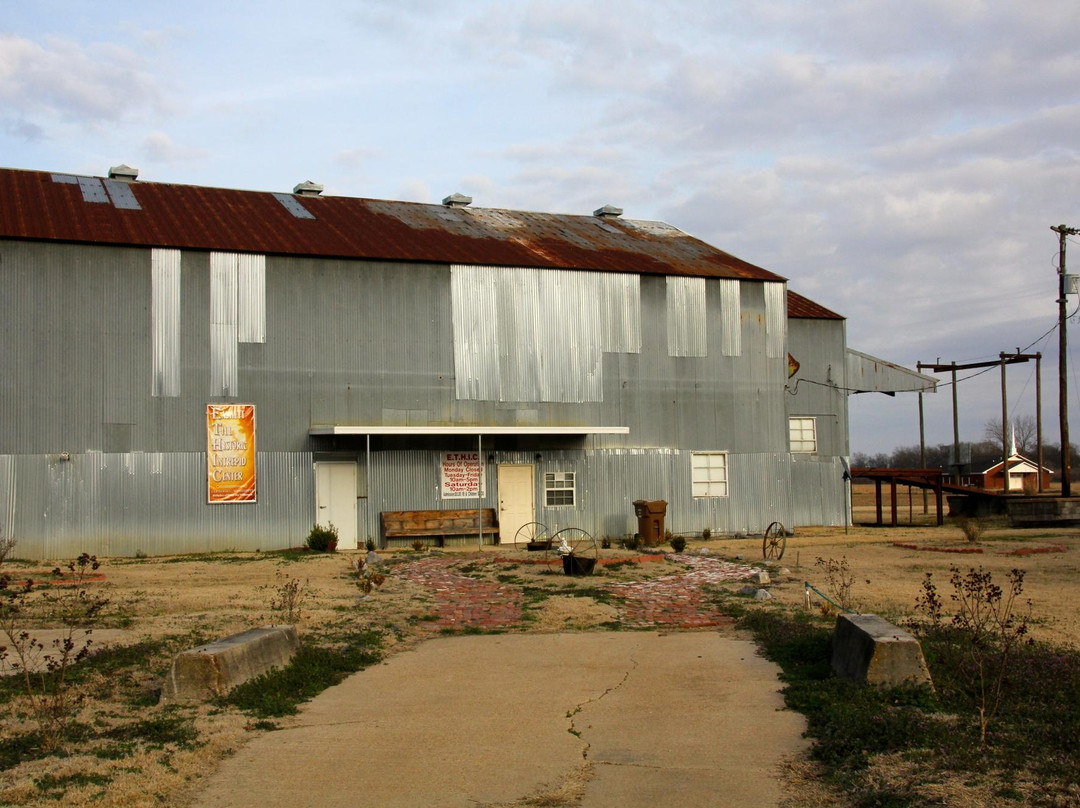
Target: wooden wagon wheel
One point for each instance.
(774, 542)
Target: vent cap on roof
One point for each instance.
(124, 173)
(457, 201)
(308, 188)
(608, 212)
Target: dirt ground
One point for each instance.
(214, 596)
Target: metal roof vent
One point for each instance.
(308, 188)
(608, 212)
(457, 201)
(124, 173)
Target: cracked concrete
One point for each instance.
(660, 719)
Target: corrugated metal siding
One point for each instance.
(817, 388)
(775, 320)
(121, 504)
(531, 335)
(223, 333)
(687, 333)
(819, 491)
(730, 317)
(165, 322)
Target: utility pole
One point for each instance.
(1063, 345)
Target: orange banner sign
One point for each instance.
(230, 453)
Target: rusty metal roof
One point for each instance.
(63, 207)
(804, 308)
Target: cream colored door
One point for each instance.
(335, 500)
(516, 504)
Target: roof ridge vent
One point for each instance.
(457, 201)
(124, 173)
(308, 188)
(607, 212)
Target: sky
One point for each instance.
(901, 162)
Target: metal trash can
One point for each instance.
(650, 515)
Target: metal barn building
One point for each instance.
(190, 369)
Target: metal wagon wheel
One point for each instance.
(532, 532)
(774, 543)
(580, 542)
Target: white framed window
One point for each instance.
(802, 435)
(559, 488)
(708, 474)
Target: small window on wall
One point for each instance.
(802, 434)
(708, 474)
(559, 488)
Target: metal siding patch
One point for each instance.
(730, 317)
(93, 190)
(775, 320)
(223, 336)
(686, 322)
(292, 204)
(65, 179)
(121, 194)
(165, 322)
(524, 334)
(251, 298)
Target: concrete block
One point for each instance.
(869, 649)
(216, 668)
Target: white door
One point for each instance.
(516, 504)
(335, 500)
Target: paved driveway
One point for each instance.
(627, 718)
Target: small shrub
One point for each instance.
(43, 670)
(6, 546)
(323, 539)
(605, 543)
(972, 527)
(985, 632)
(631, 542)
(367, 578)
(419, 545)
(839, 580)
(678, 543)
(706, 534)
(369, 545)
(289, 598)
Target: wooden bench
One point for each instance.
(439, 524)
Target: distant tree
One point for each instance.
(1025, 430)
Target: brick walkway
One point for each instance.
(675, 600)
(463, 602)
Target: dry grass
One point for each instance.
(211, 597)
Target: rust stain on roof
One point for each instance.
(43, 206)
(804, 308)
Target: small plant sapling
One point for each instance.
(43, 667)
(678, 543)
(972, 527)
(6, 546)
(839, 580)
(289, 598)
(418, 545)
(985, 631)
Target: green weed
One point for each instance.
(311, 671)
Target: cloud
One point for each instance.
(68, 81)
(160, 148)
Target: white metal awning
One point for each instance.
(339, 429)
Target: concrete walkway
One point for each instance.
(631, 718)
